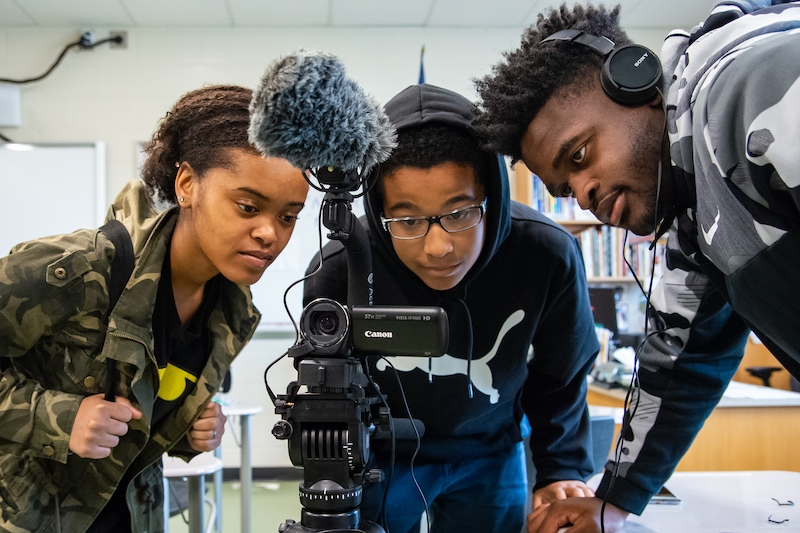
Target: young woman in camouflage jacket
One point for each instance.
(71, 461)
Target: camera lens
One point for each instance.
(326, 323)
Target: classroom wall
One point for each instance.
(118, 95)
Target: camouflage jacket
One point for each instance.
(732, 258)
(55, 337)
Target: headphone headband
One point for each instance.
(601, 46)
(630, 74)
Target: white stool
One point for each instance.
(194, 471)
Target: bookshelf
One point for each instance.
(576, 227)
(612, 280)
(526, 188)
(602, 245)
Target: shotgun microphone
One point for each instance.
(307, 111)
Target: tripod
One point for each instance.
(328, 432)
(329, 414)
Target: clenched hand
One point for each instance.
(99, 424)
(206, 433)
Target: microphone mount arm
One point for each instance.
(337, 216)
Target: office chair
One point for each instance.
(763, 372)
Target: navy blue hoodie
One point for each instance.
(526, 295)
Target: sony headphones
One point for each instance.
(630, 75)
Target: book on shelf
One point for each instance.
(602, 245)
(527, 188)
(603, 248)
(559, 209)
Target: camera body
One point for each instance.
(333, 330)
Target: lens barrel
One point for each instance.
(325, 323)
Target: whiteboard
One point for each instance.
(290, 266)
(50, 189)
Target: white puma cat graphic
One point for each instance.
(447, 365)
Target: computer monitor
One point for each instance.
(604, 307)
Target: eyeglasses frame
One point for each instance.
(433, 220)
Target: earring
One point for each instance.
(180, 199)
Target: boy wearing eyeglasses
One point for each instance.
(444, 232)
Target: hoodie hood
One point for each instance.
(425, 104)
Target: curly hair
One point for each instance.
(200, 129)
(522, 83)
(433, 144)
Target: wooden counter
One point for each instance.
(752, 428)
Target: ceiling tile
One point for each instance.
(78, 13)
(469, 13)
(283, 13)
(673, 14)
(643, 13)
(11, 14)
(178, 12)
(379, 12)
(342, 13)
(543, 6)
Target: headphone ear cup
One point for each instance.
(631, 75)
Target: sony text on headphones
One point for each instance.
(630, 75)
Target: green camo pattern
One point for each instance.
(55, 338)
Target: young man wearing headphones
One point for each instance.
(709, 150)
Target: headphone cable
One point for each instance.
(634, 386)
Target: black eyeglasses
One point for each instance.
(407, 228)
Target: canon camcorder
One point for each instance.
(332, 329)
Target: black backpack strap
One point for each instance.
(121, 270)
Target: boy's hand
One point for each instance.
(561, 490)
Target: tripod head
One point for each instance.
(328, 427)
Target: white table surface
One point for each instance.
(202, 464)
(737, 394)
(194, 471)
(740, 394)
(236, 409)
(723, 502)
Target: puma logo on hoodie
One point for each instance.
(479, 374)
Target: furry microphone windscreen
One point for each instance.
(307, 111)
